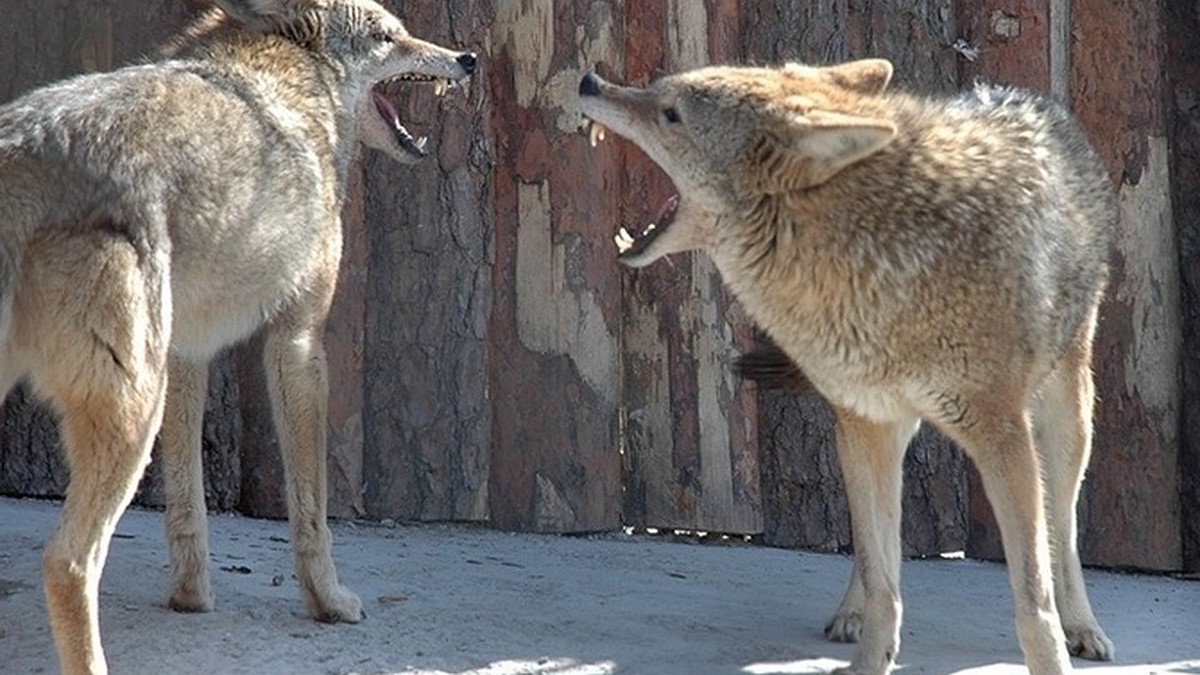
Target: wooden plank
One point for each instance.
(689, 429)
(554, 328)
(1130, 515)
(804, 501)
(1182, 23)
(426, 418)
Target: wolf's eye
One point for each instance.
(672, 115)
(382, 37)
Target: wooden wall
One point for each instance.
(491, 362)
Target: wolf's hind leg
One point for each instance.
(1062, 418)
(298, 384)
(871, 455)
(183, 474)
(1000, 442)
(95, 318)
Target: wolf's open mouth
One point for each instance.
(631, 244)
(413, 146)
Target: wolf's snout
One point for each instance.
(467, 61)
(589, 85)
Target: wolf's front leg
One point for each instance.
(871, 455)
(183, 474)
(846, 623)
(298, 384)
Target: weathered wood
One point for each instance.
(804, 501)
(689, 427)
(1182, 21)
(1130, 513)
(554, 328)
(426, 416)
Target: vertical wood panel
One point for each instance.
(1131, 513)
(554, 328)
(690, 425)
(1182, 21)
(426, 419)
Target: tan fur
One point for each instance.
(914, 259)
(151, 216)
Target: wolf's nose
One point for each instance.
(467, 61)
(589, 85)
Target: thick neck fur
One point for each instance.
(312, 84)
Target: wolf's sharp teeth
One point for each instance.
(596, 133)
(623, 240)
(420, 143)
(440, 85)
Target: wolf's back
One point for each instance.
(1078, 222)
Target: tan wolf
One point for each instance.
(153, 215)
(915, 258)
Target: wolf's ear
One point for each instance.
(811, 148)
(838, 140)
(866, 76)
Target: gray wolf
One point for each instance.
(914, 259)
(153, 215)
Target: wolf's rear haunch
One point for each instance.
(151, 216)
(915, 259)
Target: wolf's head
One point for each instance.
(371, 48)
(729, 136)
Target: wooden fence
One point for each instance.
(491, 362)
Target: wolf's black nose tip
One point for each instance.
(468, 61)
(589, 85)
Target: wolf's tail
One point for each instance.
(771, 368)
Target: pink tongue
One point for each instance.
(386, 108)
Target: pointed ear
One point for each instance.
(811, 148)
(838, 140)
(867, 76)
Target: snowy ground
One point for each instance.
(454, 599)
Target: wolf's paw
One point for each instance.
(191, 598)
(340, 606)
(844, 627)
(1089, 642)
(853, 670)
